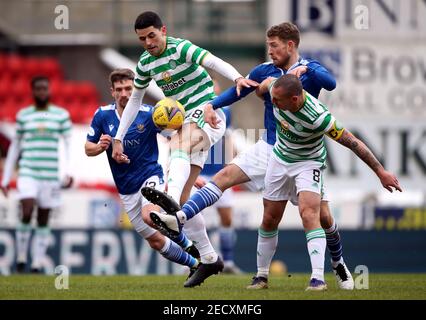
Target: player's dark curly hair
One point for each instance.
(119, 75)
(285, 31)
(36, 79)
(147, 19)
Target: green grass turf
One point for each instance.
(223, 287)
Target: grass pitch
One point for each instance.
(222, 287)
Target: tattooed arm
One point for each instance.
(358, 147)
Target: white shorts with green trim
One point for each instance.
(197, 115)
(285, 181)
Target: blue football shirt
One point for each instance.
(139, 143)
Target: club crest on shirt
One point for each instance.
(167, 77)
(41, 128)
(298, 126)
(172, 64)
(141, 127)
(284, 125)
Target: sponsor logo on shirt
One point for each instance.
(173, 85)
(132, 143)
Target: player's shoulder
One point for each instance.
(179, 43)
(316, 104)
(263, 69)
(25, 112)
(57, 110)
(105, 110)
(146, 108)
(265, 66)
(144, 56)
(309, 62)
(175, 41)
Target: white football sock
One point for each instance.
(41, 243)
(195, 230)
(23, 234)
(179, 171)
(266, 246)
(316, 249)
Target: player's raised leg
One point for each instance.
(209, 194)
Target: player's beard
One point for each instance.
(40, 102)
(123, 103)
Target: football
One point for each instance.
(168, 114)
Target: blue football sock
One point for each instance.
(227, 241)
(175, 253)
(182, 240)
(202, 199)
(334, 243)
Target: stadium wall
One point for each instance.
(106, 251)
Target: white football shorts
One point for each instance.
(47, 194)
(254, 162)
(284, 181)
(133, 204)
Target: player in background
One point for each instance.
(250, 166)
(39, 129)
(177, 66)
(143, 170)
(296, 166)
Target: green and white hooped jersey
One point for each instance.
(39, 132)
(177, 71)
(300, 135)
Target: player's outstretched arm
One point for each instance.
(264, 87)
(93, 149)
(322, 76)
(388, 179)
(228, 71)
(129, 115)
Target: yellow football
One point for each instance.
(168, 114)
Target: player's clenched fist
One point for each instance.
(104, 141)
